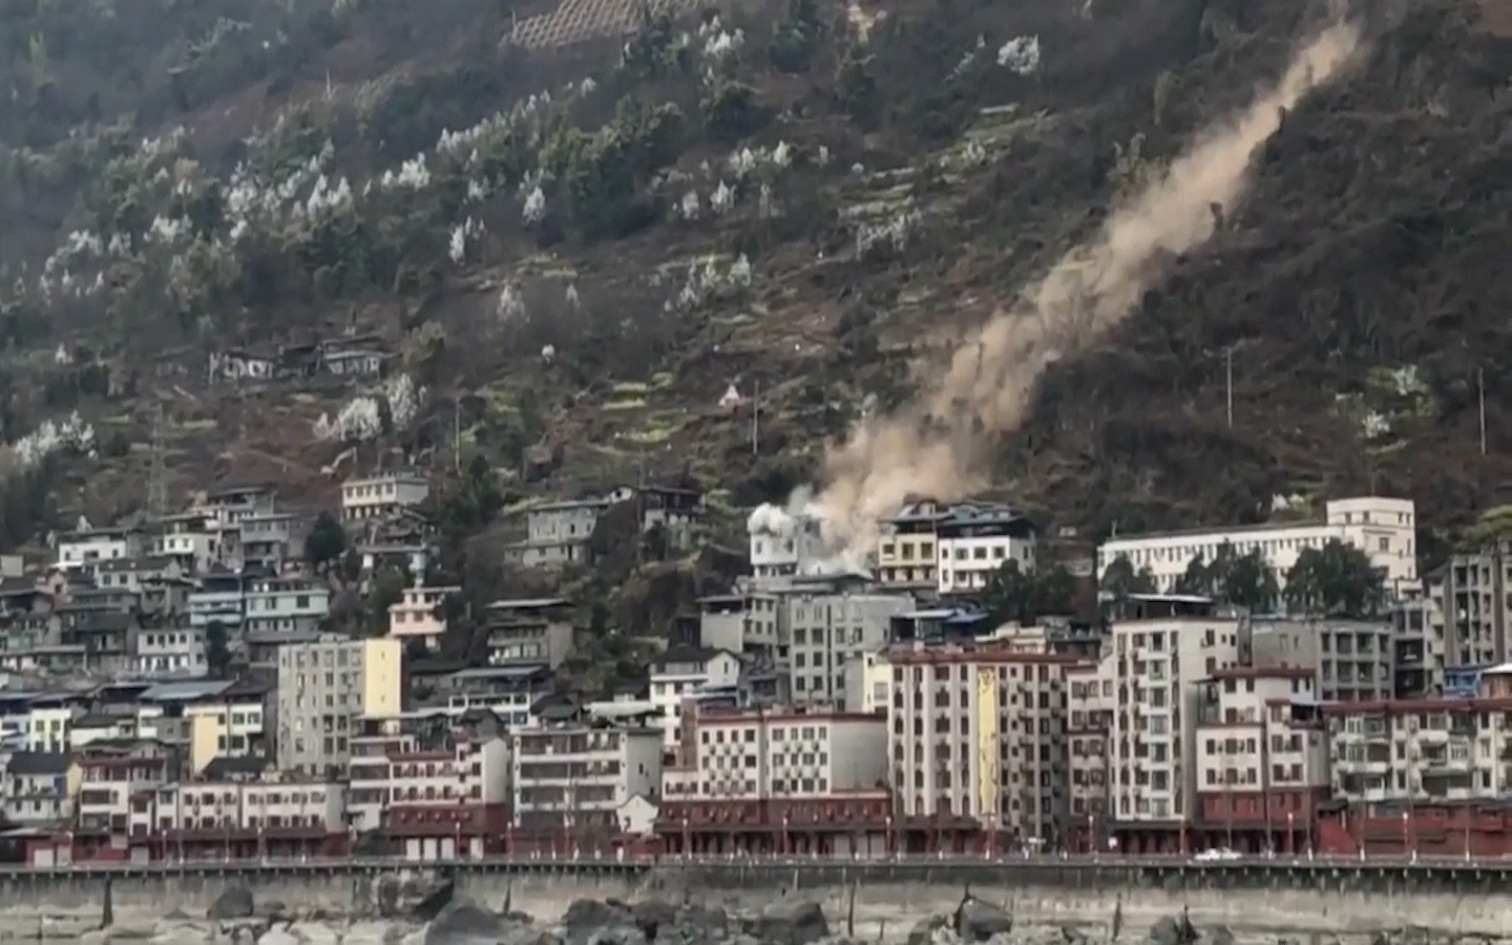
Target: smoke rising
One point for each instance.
(931, 448)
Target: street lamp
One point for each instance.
(1291, 836)
(1406, 842)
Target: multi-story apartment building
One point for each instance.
(1384, 529)
(977, 743)
(279, 816)
(286, 605)
(977, 539)
(952, 549)
(783, 546)
(1089, 719)
(804, 780)
(827, 626)
(213, 718)
(529, 632)
(228, 506)
(269, 539)
(1158, 658)
(323, 687)
(570, 781)
(383, 495)
(220, 598)
(36, 789)
(1470, 594)
(1418, 640)
(868, 683)
(86, 548)
(1351, 660)
(684, 673)
(418, 615)
(745, 623)
(557, 533)
(169, 651)
(191, 540)
(116, 781)
(1262, 760)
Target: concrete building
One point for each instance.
(977, 744)
(1351, 660)
(684, 673)
(192, 540)
(286, 605)
(323, 687)
(37, 788)
(827, 627)
(170, 651)
(507, 692)
(868, 684)
(220, 598)
(783, 546)
(745, 623)
(419, 616)
(49, 721)
(1384, 529)
(529, 632)
(1262, 760)
(1420, 648)
(570, 780)
(1160, 649)
(558, 532)
(84, 549)
(270, 539)
(110, 775)
(977, 539)
(207, 718)
(1471, 596)
(382, 496)
(1089, 720)
(228, 506)
(908, 549)
(785, 780)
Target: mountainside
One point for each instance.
(571, 245)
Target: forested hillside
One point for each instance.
(575, 230)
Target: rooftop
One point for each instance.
(186, 691)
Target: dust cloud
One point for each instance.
(933, 447)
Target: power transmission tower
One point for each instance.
(157, 474)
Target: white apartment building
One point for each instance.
(49, 724)
(418, 616)
(237, 806)
(576, 777)
(1384, 529)
(1422, 750)
(382, 495)
(868, 684)
(110, 777)
(1157, 662)
(83, 549)
(953, 549)
(1262, 756)
(783, 546)
(192, 540)
(683, 673)
(790, 753)
(179, 651)
(977, 539)
(1089, 719)
(980, 733)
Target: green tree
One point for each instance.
(1024, 596)
(1245, 580)
(1197, 579)
(388, 589)
(1119, 579)
(1335, 580)
(326, 542)
(217, 649)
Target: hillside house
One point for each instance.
(383, 495)
(240, 365)
(529, 632)
(85, 548)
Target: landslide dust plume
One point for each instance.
(930, 448)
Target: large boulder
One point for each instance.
(702, 923)
(234, 903)
(978, 921)
(924, 931)
(618, 935)
(588, 914)
(653, 915)
(464, 924)
(1173, 930)
(794, 922)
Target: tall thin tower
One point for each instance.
(157, 474)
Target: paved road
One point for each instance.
(902, 863)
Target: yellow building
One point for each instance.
(324, 687)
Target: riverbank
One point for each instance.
(1337, 899)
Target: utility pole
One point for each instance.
(756, 418)
(1480, 385)
(1228, 383)
(457, 435)
(157, 475)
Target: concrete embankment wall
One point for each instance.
(885, 901)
